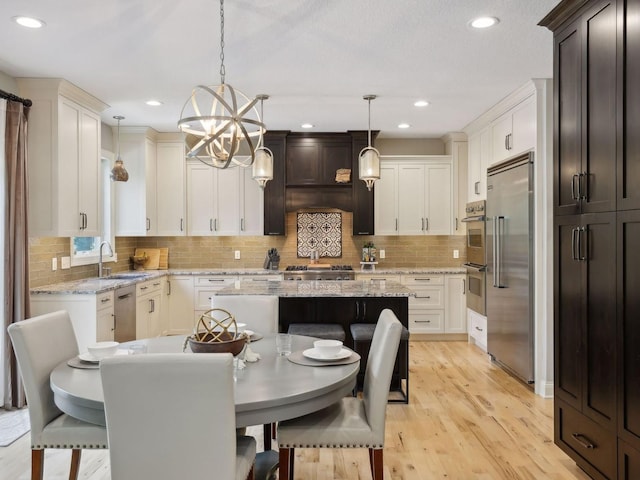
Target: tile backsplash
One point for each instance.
(218, 252)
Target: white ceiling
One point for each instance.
(315, 58)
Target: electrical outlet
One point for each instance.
(54, 264)
(382, 254)
(66, 262)
(236, 255)
(456, 254)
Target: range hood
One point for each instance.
(318, 196)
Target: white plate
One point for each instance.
(87, 357)
(315, 355)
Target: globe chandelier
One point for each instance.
(218, 120)
(369, 157)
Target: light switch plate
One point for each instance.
(236, 255)
(66, 262)
(456, 254)
(383, 254)
(54, 264)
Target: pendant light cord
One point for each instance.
(222, 69)
(369, 135)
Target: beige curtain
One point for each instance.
(16, 247)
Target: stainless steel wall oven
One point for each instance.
(476, 256)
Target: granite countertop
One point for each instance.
(95, 285)
(319, 288)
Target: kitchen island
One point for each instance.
(342, 302)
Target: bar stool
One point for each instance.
(328, 331)
(362, 334)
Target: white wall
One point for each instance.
(410, 146)
(8, 84)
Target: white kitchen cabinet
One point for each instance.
(105, 317)
(479, 159)
(204, 287)
(477, 325)
(421, 202)
(223, 202)
(91, 315)
(386, 200)
(456, 145)
(439, 306)
(378, 277)
(64, 158)
(170, 185)
(455, 298)
(180, 296)
(135, 199)
(515, 131)
(148, 308)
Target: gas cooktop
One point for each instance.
(304, 268)
(308, 272)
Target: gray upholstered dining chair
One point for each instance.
(40, 344)
(259, 312)
(172, 415)
(352, 422)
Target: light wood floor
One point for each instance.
(467, 419)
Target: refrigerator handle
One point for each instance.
(580, 242)
(574, 239)
(498, 258)
(495, 252)
(573, 187)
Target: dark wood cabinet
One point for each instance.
(363, 214)
(628, 260)
(597, 233)
(274, 191)
(585, 315)
(313, 160)
(585, 101)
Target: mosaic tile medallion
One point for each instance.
(321, 232)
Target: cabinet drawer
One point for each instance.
(581, 437)
(215, 281)
(426, 280)
(104, 300)
(426, 321)
(477, 325)
(378, 276)
(150, 286)
(427, 297)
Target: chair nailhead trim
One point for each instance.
(286, 445)
(40, 447)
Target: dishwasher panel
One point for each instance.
(125, 314)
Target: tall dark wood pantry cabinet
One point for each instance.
(597, 234)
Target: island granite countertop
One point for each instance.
(319, 288)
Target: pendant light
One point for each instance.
(369, 158)
(118, 172)
(218, 119)
(263, 164)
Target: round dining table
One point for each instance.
(269, 390)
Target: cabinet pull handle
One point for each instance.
(156, 284)
(583, 186)
(364, 309)
(105, 300)
(574, 237)
(427, 296)
(583, 440)
(81, 221)
(422, 220)
(122, 297)
(422, 279)
(141, 288)
(215, 224)
(426, 221)
(215, 279)
(364, 233)
(357, 310)
(456, 223)
(581, 242)
(86, 221)
(148, 224)
(575, 196)
(479, 329)
(476, 188)
(168, 287)
(464, 286)
(242, 224)
(182, 224)
(506, 142)
(150, 305)
(211, 224)
(396, 224)
(423, 321)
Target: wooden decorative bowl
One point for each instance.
(230, 344)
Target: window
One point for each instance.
(86, 250)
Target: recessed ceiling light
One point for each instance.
(154, 103)
(29, 22)
(403, 125)
(421, 103)
(307, 125)
(484, 22)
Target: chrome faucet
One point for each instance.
(100, 268)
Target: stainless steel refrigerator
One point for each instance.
(510, 327)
